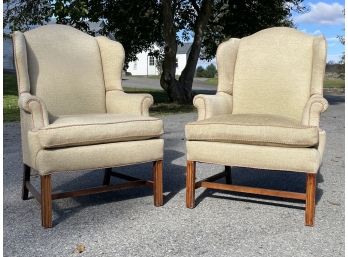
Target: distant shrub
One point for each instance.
(209, 72)
(200, 72)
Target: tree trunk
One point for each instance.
(181, 91)
(168, 82)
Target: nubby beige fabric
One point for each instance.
(112, 57)
(311, 114)
(267, 108)
(211, 105)
(65, 70)
(90, 129)
(226, 61)
(254, 129)
(99, 156)
(255, 156)
(120, 102)
(273, 73)
(74, 113)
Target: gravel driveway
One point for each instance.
(125, 223)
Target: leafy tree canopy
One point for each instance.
(135, 24)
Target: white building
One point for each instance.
(146, 64)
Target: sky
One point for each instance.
(326, 18)
(323, 17)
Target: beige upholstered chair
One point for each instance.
(76, 116)
(265, 113)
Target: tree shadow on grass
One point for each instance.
(334, 99)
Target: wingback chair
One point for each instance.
(265, 113)
(76, 116)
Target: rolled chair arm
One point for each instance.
(36, 107)
(120, 102)
(311, 114)
(212, 105)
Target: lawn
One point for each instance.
(328, 83)
(161, 107)
(333, 83)
(11, 110)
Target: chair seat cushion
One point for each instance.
(90, 129)
(254, 129)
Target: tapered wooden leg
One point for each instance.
(310, 199)
(26, 177)
(107, 176)
(46, 201)
(157, 183)
(190, 184)
(228, 175)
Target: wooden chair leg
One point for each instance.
(310, 199)
(107, 176)
(46, 201)
(228, 175)
(26, 177)
(158, 183)
(190, 184)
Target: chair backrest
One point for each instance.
(64, 68)
(273, 71)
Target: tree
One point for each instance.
(138, 24)
(187, 16)
(212, 22)
(200, 72)
(209, 72)
(343, 57)
(135, 24)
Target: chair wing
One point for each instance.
(112, 56)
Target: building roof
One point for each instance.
(184, 49)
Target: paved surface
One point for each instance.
(144, 82)
(125, 223)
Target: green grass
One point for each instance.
(161, 107)
(328, 83)
(333, 83)
(11, 110)
(212, 81)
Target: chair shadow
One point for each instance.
(95, 178)
(277, 180)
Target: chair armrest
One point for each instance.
(311, 115)
(212, 105)
(36, 107)
(120, 102)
